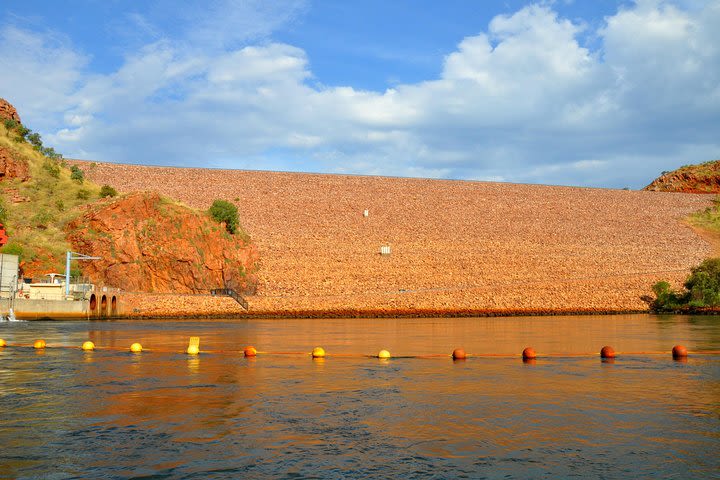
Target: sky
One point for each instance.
(587, 93)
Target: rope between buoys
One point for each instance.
(365, 355)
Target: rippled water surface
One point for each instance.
(162, 414)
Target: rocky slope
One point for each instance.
(456, 247)
(12, 165)
(146, 243)
(701, 178)
(8, 112)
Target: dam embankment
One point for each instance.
(456, 247)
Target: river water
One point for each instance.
(65, 413)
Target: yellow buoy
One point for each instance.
(39, 344)
(318, 352)
(136, 348)
(88, 346)
(194, 346)
(383, 354)
(2, 343)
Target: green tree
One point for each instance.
(224, 211)
(77, 174)
(703, 284)
(35, 140)
(52, 167)
(702, 289)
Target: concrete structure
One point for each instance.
(43, 309)
(8, 275)
(51, 299)
(96, 306)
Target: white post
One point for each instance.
(67, 273)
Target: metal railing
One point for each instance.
(229, 292)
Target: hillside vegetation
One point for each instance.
(36, 210)
(145, 242)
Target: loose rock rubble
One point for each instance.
(457, 247)
(12, 167)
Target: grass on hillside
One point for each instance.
(708, 219)
(35, 227)
(55, 192)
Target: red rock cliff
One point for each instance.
(11, 166)
(7, 111)
(150, 244)
(702, 178)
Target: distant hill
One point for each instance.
(701, 178)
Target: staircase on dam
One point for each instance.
(229, 292)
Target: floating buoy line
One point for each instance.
(606, 353)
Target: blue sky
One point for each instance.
(598, 93)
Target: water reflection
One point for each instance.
(164, 413)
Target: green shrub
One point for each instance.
(13, 248)
(107, 191)
(83, 194)
(77, 174)
(665, 298)
(42, 219)
(10, 124)
(52, 167)
(3, 210)
(702, 289)
(224, 211)
(60, 205)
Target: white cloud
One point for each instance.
(38, 73)
(523, 101)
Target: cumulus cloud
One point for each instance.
(522, 101)
(38, 73)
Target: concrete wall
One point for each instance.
(8, 274)
(34, 309)
(100, 306)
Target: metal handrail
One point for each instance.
(229, 292)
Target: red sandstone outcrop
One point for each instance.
(458, 248)
(702, 178)
(7, 111)
(11, 166)
(148, 243)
